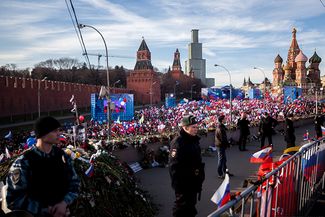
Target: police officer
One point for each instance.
(289, 131)
(186, 168)
(43, 181)
(243, 125)
(319, 121)
(266, 128)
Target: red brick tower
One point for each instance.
(177, 68)
(144, 81)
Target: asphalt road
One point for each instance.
(157, 181)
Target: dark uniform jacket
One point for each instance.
(243, 125)
(289, 131)
(266, 125)
(221, 139)
(319, 121)
(37, 180)
(185, 163)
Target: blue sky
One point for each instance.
(235, 33)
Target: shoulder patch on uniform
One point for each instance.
(173, 152)
(15, 176)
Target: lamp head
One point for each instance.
(80, 26)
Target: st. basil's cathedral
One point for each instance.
(294, 72)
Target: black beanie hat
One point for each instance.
(45, 125)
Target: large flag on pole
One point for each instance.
(222, 195)
(103, 92)
(262, 156)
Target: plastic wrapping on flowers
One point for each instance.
(111, 191)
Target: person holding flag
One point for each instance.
(186, 168)
(43, 181)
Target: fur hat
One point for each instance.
(188, 120)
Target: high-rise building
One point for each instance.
(195, 61)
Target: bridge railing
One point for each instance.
(290, 189)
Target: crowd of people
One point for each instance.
(158, 123)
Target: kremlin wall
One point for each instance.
(19, 96)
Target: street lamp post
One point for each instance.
(80, 26)
(193, 85)
(230, 98)
(39, 96)
(151, 92)
(264, 82)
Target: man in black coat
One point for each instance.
(289, 136)
(319, 121)
(266, 128)
(243, 125)
(186, 168)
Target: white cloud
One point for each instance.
(234, 32)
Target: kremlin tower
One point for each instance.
(144, 81)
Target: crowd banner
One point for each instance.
(287, 187)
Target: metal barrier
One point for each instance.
(288, 190)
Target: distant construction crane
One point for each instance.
(101, 55)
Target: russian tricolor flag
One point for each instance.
(262, 156)
(90, 171)
(222, 195)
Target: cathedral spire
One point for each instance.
(293, 50)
